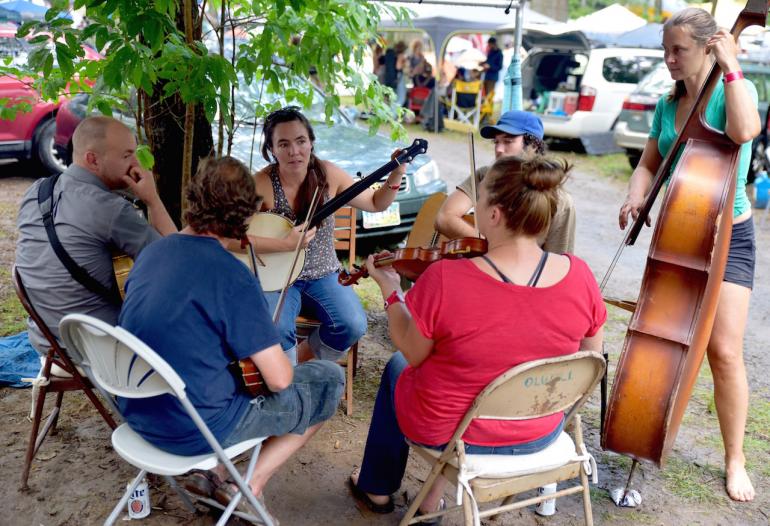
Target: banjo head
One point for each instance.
(272, 276)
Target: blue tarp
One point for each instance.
(18, 359)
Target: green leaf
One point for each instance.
(104, 107)
(39, 39)
(145, 157)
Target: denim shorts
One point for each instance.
(312, 397)
(526, 448)
(741, 257)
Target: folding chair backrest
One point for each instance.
(120, 362)
(345, 232)
(21, 292)
(540, 388)
(471, 87)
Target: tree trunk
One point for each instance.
(164, 123)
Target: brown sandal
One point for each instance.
(201, 482)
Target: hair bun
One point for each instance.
(542, 174)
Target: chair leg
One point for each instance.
(124, 499)
(32, 445)
(59, 398)
(435, 472)
(182, 495)
(467, 509)
(350, 373)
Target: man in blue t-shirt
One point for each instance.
(200, 309)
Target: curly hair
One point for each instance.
(524, 187)
(221, 197)
(534, 144)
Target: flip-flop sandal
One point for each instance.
(435, 521)
(361, 496)
(201, 482)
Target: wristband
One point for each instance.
(395, 297)
(733, 75)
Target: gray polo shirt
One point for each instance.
(91, 222)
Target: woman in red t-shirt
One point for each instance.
(465, 322)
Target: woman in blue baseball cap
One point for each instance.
(517, 132)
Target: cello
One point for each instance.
(671, 326)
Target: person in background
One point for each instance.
(492, 66)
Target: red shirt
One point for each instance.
(481, 328)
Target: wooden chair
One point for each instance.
(529, 390)
(46, 382)
(344, 239)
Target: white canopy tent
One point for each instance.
(441, 19)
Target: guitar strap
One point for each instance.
(78, 273)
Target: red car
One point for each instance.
(30, 136)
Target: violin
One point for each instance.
(411, 262)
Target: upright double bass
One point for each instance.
(671, 325)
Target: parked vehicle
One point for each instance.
(634, 122)
(578, 89)
(341, 141)
(30, 135)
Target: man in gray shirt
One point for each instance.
(91, 223)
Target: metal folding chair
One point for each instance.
(124, 366)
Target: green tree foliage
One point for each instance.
(276, 43)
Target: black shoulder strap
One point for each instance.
(538, 270)
(45, 202)
(494, 267)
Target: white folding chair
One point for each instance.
(529, 390)
(124, 366)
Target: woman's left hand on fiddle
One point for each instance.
(385, 276)
(725, 50)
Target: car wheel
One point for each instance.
(44, 152)
(633, 159)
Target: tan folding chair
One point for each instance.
(344, 239)
(530, 390)
(57, 375)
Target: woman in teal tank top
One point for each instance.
(690, 40)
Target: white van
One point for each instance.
(578, 89)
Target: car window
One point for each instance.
(248, 94)
(627, 70)
(657, 81)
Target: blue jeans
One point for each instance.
(386, 450)
(343, 320)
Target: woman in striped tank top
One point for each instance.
(287, 185)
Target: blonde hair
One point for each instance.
(701, 26)
(525, 189)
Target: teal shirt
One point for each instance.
(664, 130)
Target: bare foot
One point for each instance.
(304, 352)
(738, 484)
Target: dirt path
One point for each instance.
(78, 478)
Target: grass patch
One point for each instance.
(12, 316)
(691, 482)
(369, 294)
(613, 166)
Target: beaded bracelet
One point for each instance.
(733, 75)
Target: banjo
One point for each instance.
(273, 268)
